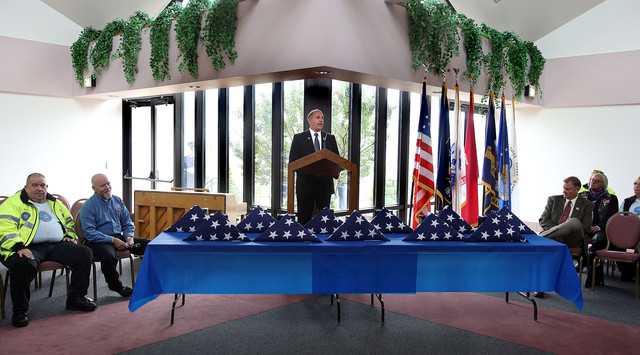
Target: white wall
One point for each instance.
(554, 143)
(67, 140)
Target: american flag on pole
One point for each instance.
(423, 187)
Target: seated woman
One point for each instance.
(605, 206)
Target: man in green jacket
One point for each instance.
(35, 227)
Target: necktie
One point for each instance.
(316, 142)
(565, 212)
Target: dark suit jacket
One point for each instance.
(555, 205)
(302, 145)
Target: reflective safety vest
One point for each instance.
(19, 222)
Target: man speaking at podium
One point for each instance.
(312, 190)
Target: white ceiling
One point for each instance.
(98, 13)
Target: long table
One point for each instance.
(171, 265)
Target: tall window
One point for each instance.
(236, 124)
(367, 140)
(393, 133)
(211, 141)
(340, 129)
(141, 152)
(188, 159)
(294, 118)
(263, 145)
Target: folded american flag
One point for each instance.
(287, 230)
(514, 221)
(325, 222)
(218, 229)
(496, 229)
(190, 221)
(257, 221)
(455, 221)
(356, 228)
(387, 222)
(433, 229)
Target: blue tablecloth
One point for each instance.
(171, 265)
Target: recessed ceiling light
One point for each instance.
(112, 95)
(324, 72)
(194, 87)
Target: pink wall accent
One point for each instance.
(30, 67)
(593, 80)
(361, 41)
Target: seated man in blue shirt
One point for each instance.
(107, 226)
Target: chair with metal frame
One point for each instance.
(623, 233)
(120, 254)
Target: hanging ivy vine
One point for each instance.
(494, 60)
(101, 52)
(188, 27)
(159, 38)
(433, 35)
(536, 66)
(79, 50)
(219, 31)
(130, 44)
(516, 62)
(472, 46)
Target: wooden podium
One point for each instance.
(322, 162)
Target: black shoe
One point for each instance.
(20, 319)
(538, 294)
(81, 304)
(599, 276)
(126, 291)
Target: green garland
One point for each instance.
(188, 27)
(130, 44)
(472, 46)
(433, 35)
(517, 62)
(159, 38)
(494, 60)
(79, 52)
(536, 66)
(219, 31)
(101, 52)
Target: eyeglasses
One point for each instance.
(596, 180)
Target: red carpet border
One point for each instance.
(555, 331)
(113, 328)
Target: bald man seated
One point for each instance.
(107, 227)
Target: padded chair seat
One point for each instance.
(618, 255)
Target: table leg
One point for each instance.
(527, 296)
(173, 306)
